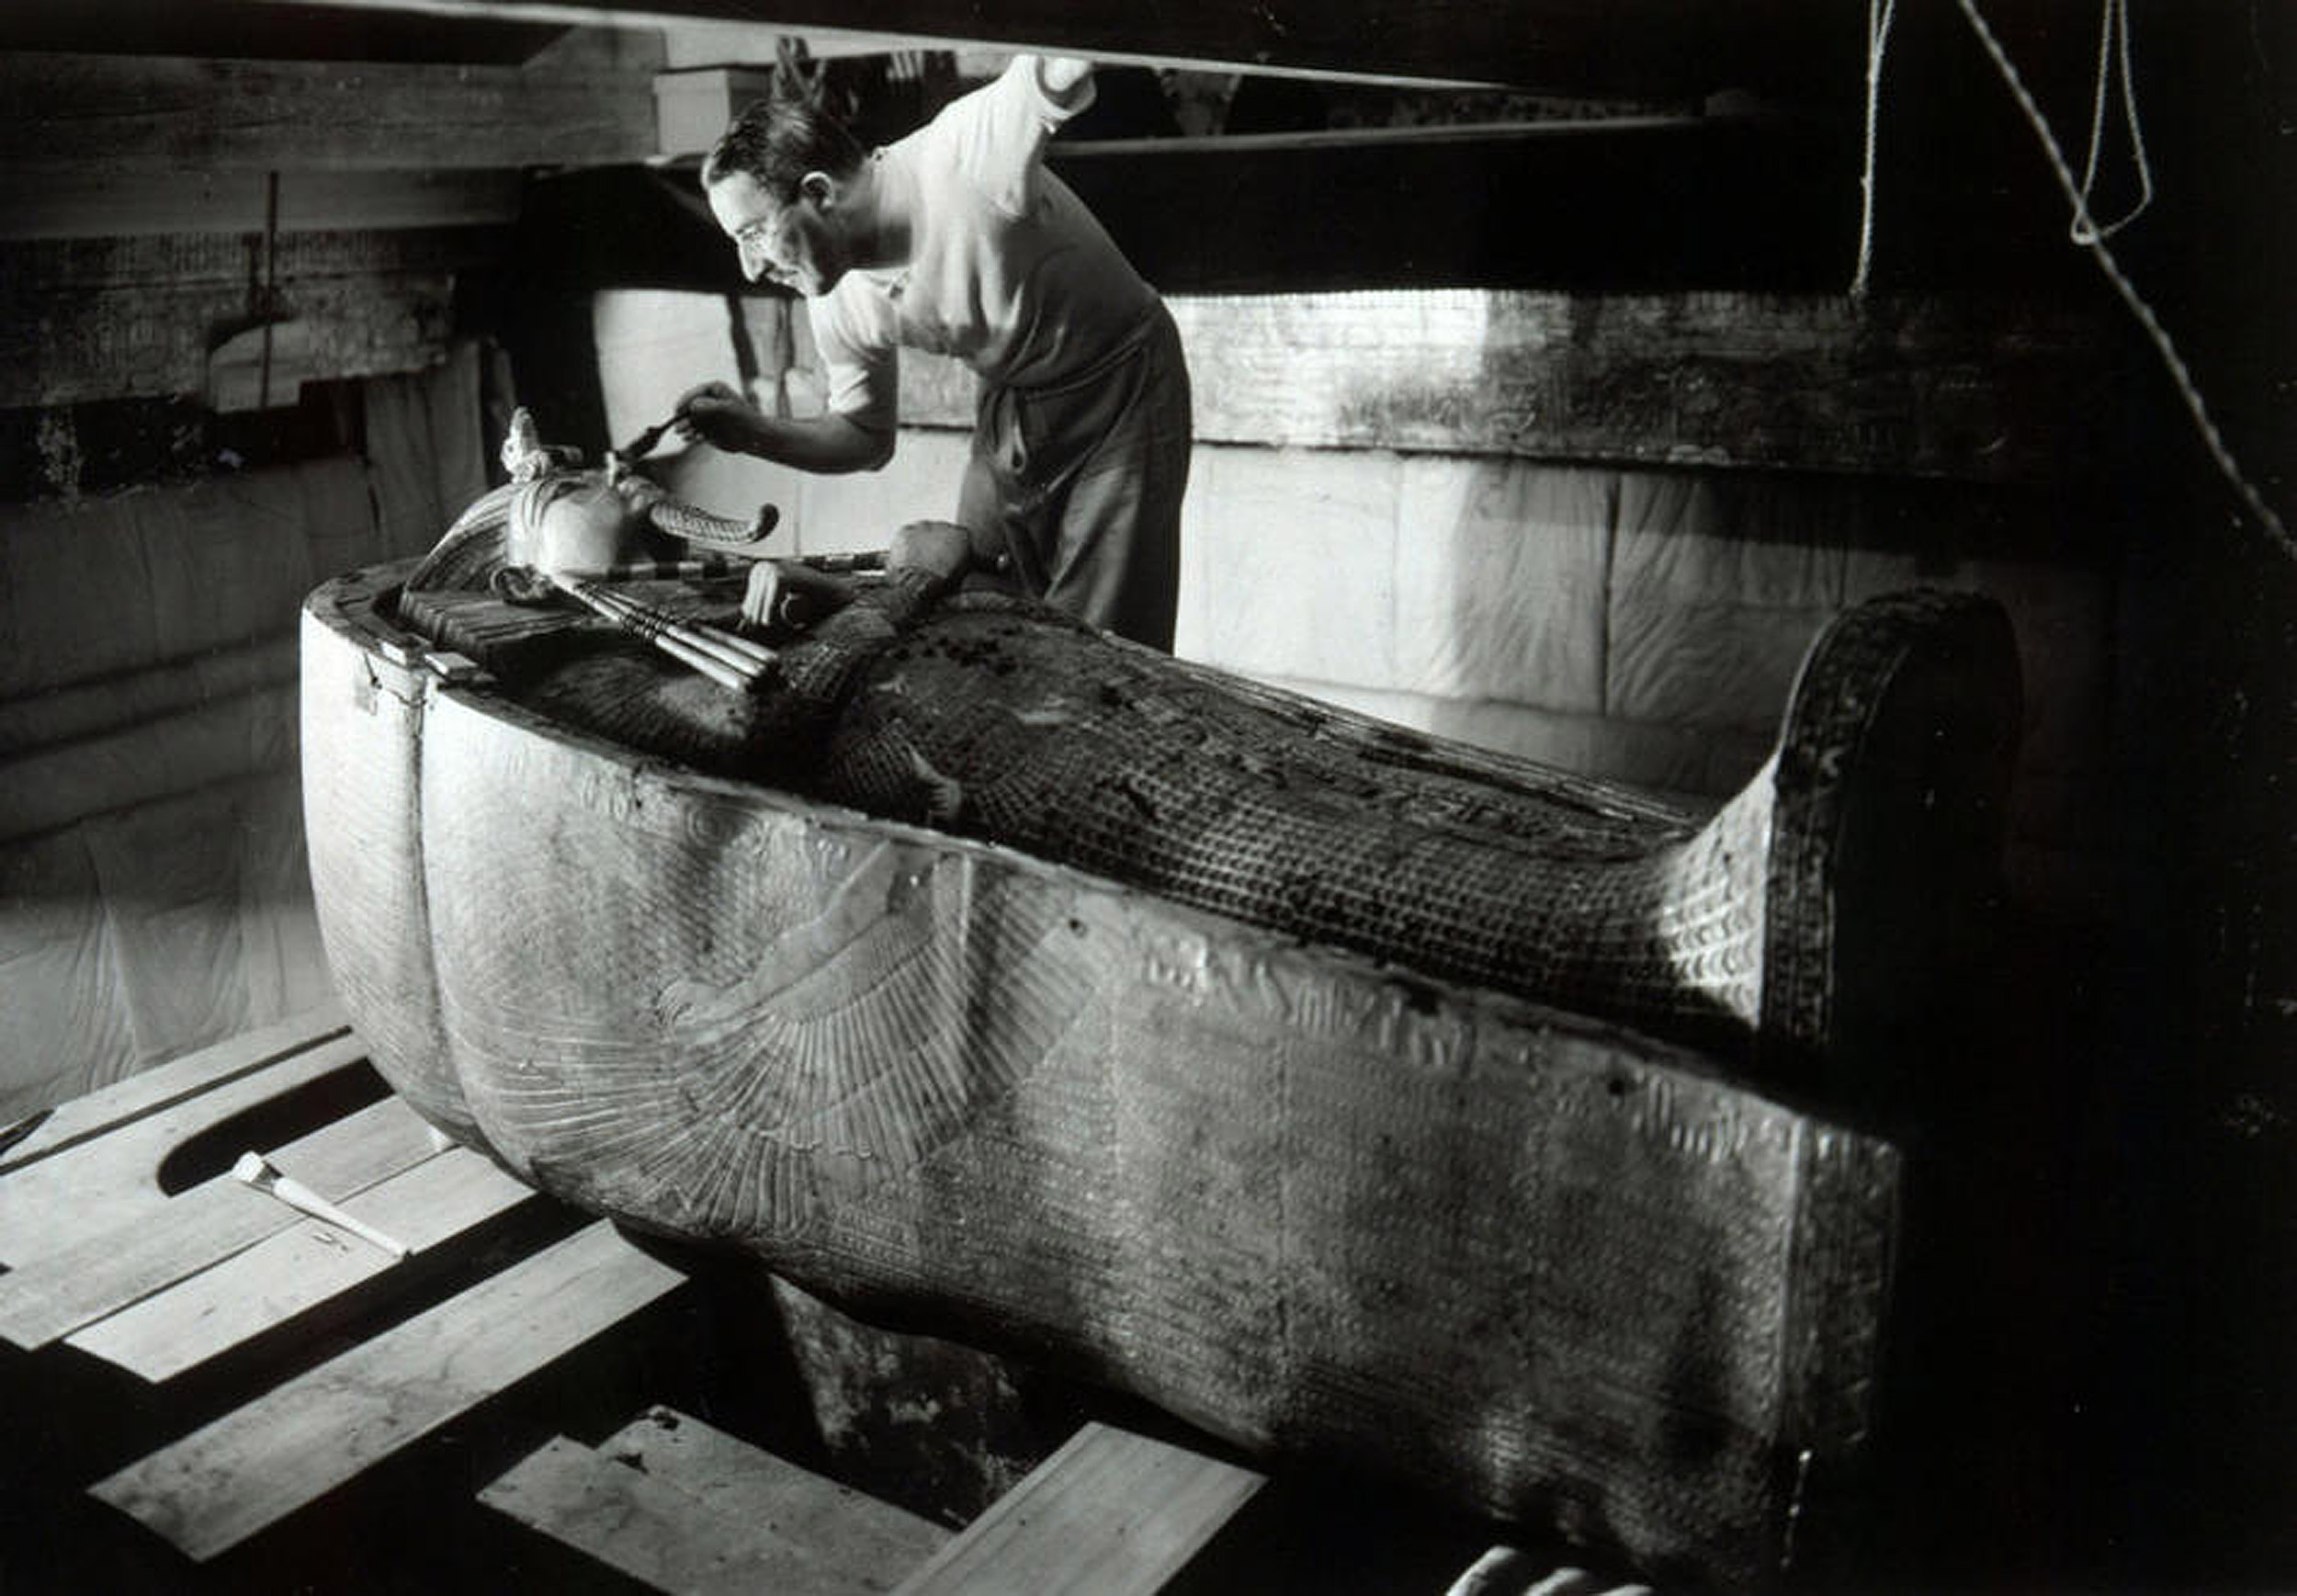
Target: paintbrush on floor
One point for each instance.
(261, 1173)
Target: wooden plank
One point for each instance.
(1607, 47)
(60, 1291)
(646, 1526)
(243, 29)
(92, 204)
(1986, 389)
(1497, 136)
(1986, 393)
(92, 1182)
(687, 45)
(120, 113)
(652, 1532)
(287, 1275)
(163, 1086)
(1110, 1512)
(730, 1476)
(247, 1470)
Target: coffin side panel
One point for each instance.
(1545, 1265)
(362, 737)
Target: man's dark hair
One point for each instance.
(776, 140)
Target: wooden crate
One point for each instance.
(215, 1391)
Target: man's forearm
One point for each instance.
(822, 442)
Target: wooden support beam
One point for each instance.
(248, 30)
(122, 114)
(1989, 389)
(1612, 49)
(663, 1538)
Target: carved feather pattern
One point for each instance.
(818, 1024)
(916, 997)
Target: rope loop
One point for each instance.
(2221, 453)
(2113, 30)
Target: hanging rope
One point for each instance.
(2188, 392)
(2113, 25)
(1878, 15)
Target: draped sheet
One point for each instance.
(154, 891)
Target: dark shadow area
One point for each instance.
(103, 445)
(273, 1123)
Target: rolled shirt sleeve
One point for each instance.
(856, 339)
(1002, 131)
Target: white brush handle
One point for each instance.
(257, 1171)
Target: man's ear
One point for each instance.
(819, 187)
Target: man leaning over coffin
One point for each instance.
(957, 241)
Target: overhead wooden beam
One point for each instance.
(248, 30)
(1630, 49)
(122, 113)
(1986, 389)
(1991, 388)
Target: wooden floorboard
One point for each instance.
(61, 1292)
(1112, 1514)
(287, 1275)
(732, 1477)
(648, 1528)
(226, 1482)
(109, 1176)
(165, 1085)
